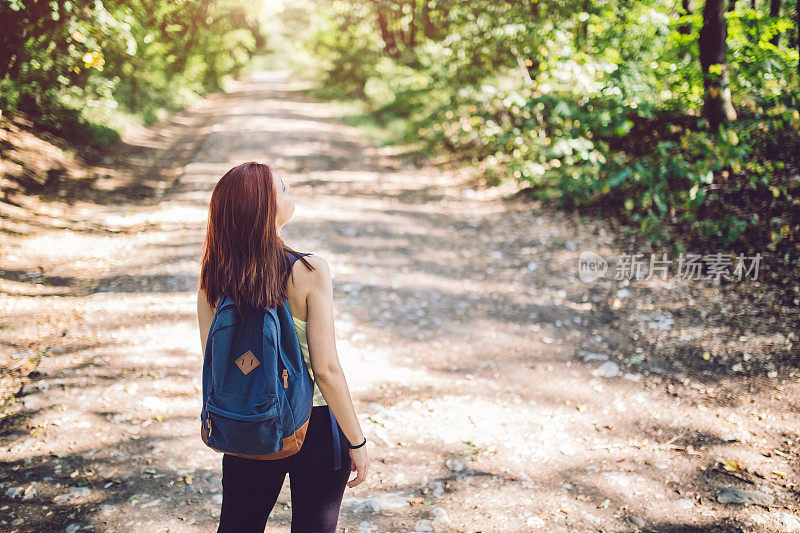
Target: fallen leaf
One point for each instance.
(732, 465)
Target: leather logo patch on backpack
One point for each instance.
(247, 362)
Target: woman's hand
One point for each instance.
(360, 463)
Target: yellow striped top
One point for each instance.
(300, 326)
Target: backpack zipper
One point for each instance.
(285, 379)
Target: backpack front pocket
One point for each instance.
(242, 424)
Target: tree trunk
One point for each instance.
(718, 108)
(427, 25)
(686, 29)
(775, 8)
(774, 12)
(732, 5)
(389, 41)
(584, 30)
(411, 34)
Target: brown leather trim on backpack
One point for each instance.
(291, 444)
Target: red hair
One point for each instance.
(243, 255)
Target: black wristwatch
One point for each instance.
(359, 446)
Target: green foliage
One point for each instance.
(763, 70)
(74, 64)
(345, 48)
(588, 103)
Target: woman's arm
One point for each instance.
(328, 372)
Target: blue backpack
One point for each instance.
(257, 391)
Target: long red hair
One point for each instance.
(243, 255)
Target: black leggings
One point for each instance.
(250, 487)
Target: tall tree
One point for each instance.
(713, 50)
(797, 22)
(686, 28)
(775, 11)
(410, 36)
(388, 36)
(427, 26)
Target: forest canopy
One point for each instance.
(69, 64)
(679, 112)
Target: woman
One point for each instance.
(244, 256)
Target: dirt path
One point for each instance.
(482, 368)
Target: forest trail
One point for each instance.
(478, 361)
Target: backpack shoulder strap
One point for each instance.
(293, 258)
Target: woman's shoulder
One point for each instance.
(315, 260)
(321, 273)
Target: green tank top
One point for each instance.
(300, 326)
